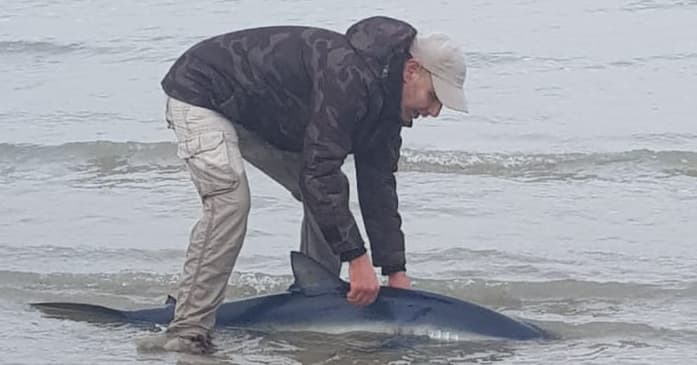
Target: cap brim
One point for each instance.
(452, 97)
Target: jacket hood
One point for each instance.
(379, 39)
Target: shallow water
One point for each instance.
(567, 196)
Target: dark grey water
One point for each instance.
(567, 196)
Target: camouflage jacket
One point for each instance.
(324, 94)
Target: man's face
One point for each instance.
(418, 96)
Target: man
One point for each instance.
(294, 102)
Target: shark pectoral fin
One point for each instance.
(311, 278)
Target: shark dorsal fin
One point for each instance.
(311, 278)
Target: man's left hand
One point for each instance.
(399, 280)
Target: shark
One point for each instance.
(316, 302)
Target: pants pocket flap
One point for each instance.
(200, 143)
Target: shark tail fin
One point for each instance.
(81, 312)
(311, 278)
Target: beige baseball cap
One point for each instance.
(438, 54)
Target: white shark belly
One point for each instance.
(435, 333)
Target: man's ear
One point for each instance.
(411, 69)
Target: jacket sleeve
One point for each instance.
(339, 103)
(377, 195)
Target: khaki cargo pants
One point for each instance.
(213, 149)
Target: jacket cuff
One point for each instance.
(388, 270)
(352, 254)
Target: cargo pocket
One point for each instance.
(213, 169)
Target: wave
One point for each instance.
(85, 150)
(554, 64)
(44, 51)
(118, 158)
(644, 5)
(555, 297)
(119, 272)
(607, 329)
(131, 289)
(572, 166)
(39, 47)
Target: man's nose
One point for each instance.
(435, 108)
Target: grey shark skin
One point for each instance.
(317, 302)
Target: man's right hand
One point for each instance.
(364, 283)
